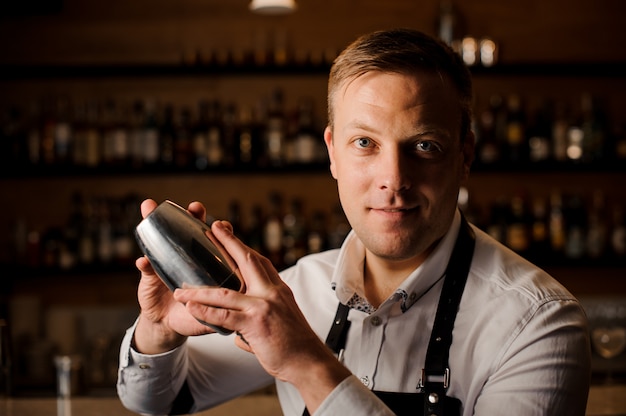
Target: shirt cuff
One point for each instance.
(351, 397)
(155, 379)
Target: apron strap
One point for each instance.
(436, 373)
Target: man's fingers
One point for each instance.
(198, 210)
(147, 207)
(248, 261)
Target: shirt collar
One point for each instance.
(348, 275)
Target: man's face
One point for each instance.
(396, 153)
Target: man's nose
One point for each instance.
(393, 170)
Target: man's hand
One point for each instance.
(269, 322)
(164, 323)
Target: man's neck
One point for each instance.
(381, 277)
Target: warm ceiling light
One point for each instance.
(273, 6)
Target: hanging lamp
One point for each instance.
(273, 7)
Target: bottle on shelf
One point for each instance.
(156, 149)
(575, 228)
(167, 135)
(618, 232)
(516, 145)
(229, 134)
(294, 233)
(540, 134)
(317, 240)
(215, 135)
(559, 130)
(594, 129)
(248, 138)
(183, 140)
(275, 129)
(540, 236)
(556, 225)
(487, 147)
(47, 134)
(306, 140)
(63, 134)
(449, 25)
(518, 231)
(273, 230)
(200, 136)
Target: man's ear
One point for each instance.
(469, 145)
(328, 139)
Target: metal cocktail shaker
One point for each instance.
(183, 250)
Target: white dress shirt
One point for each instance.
(520, 341)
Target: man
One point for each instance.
(507, 338)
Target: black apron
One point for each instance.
(433, 383)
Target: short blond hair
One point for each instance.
(404, 51)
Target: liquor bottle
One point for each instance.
(575, 228)
(518, 235)
(273, 231)
(93, 135)
(618, 233)
(306, 140)
(254, 231)
(215, 148)
(12, 139)
(235, 218)
(594, 129)
(229, 134)
(576, 138)
(619, 142)
(135, 135)
(275, 129)
(487, 147)
(155, 151)
(200, 136)
(450, 25)
(597, 231)
(540, 134)
(167, 134)
(123, 219)
(338, 227)
(560, 126)
(294, 233)
(104, 242)
(33, 144)
(317, 234)
(516, 143)
(87, 243)
(540, 236)
(63, 132)
(80, 128)
(498, 217)
(247, 148)
(183, 140)
(47, 131)
(115, 135)
(556, 225)
(72, 232)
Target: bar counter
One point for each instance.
(603, 401)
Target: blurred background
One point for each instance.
(105, 103)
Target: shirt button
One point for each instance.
(144, 366)
(413, 297)
(365, 380)
(376, 320)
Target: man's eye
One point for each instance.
(426, 146)
(363, 142)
